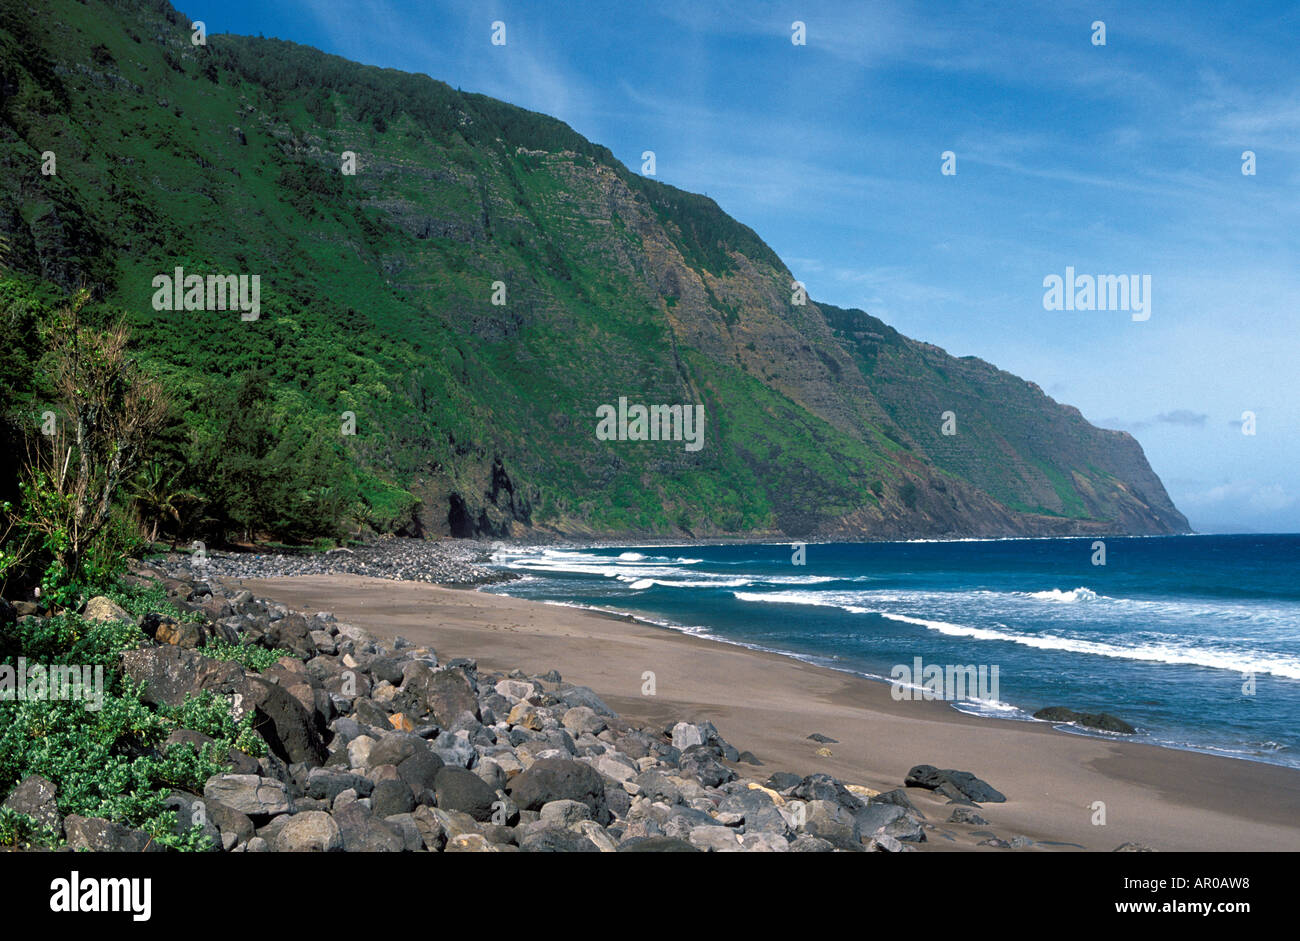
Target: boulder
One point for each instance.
(685, 735)
(251, 794)
(886, 819)
(656, 786)
(514, 690)
(756, 808)
(235, 827)
(362, 833)
(899, 796)
(583, 720)
(552, 779)
(564, 813)
(326, 784)
(826, 788)
(807, 843)
(104, 836)
(36, 796)
(312, 831)
(293, 633)
(444, 693)
(185, 634)
(391, 796)
(290, 730)
(100, 608)
(966, 815)
(1102, 721)
(169, 674)
(420, 771)
(459, 790)
(584, 696)
(701, 764)
(831, 822)
(714, 839)
(190, 810)
(965, 783)
(395, 747)
(556, 840)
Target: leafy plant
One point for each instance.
(110, 412)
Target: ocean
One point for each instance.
(1194, 640)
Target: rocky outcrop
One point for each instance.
(1102, 721)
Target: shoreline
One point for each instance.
(1024, 718)
(769, 703)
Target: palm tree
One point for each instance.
(158, 497)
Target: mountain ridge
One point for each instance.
(476, 419)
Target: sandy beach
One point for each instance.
(769, 704)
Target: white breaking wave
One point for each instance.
(801, 597)
(1066, 597)
(640, 571)
(1233, 661)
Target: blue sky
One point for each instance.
(1116, 159)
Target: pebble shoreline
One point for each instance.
(460, 562)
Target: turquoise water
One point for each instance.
(1195, 640)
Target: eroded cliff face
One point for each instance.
(493, 279)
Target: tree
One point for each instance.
(110, 410)
(239, 472)
(158, 496)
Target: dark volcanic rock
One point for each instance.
(552, 779)
(458, 789)
(1103, 721)
(444, 693)
(969, 786)
(290, 730)
(362, 833)
(420, 771)
(391, 796)
(899, 796)
(783, 780)
(169, 674)
(824, 787)
(700, 763)
(323, 784)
